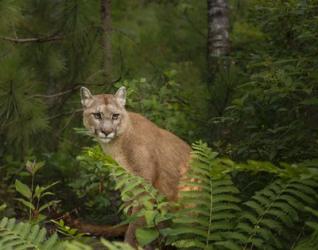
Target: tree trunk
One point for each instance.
(106, 41)
(218, 35)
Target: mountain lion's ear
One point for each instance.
(86, 97)
(121, 95)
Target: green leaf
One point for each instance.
(256, 206)
(150, 217)
(50, 185)
(51, 203)
(229, 245)
(3, 207)
(47, 193)
(23, 189)
(26, 203)
(188, 243)
(146, 235)
(310, 101)
(37, 192)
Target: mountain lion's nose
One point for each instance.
(106, 132)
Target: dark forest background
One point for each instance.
(240, 75)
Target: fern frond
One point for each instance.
(213, 217)
(22, 235)
(272, 212)
(105, 244)
(209, 208)
(117, 245)
(135, 191)
(311, 241)
(137, 194)
(134, 188)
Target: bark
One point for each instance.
(218, 34)
(106, 41)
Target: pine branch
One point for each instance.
(58, 93)
(193, 25)
(32, 39)
(76, 87)
(72, 113)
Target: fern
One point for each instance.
(210, 207)
(75, 245)
(270, 215)
(22, 235)
(211, 214)
(214, 217)
(310, 242)
(116, 245)
(138, 194)
(105, 244)
(25, 236)
(135, 191)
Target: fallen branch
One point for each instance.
(99, 230)
(106, 231)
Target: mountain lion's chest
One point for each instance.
(118, 155)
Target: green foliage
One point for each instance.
(67, 231)
(166, 105)
(24, 236)
(33, 196)
(311, 241)
(30, 72)
(144, 45)
(116, 245)
(211, 214)
(272, 213)
(105, 244)
(262, 107)
(137, 195)
(164, 42)
(93, 186)
(3, 207)
(271, 115)
(214, 217)
(211, 205)
(22, 116)
(270, 108)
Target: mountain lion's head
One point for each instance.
(104, 115)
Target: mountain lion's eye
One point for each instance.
(97, 116)
(115, 116)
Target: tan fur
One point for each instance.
(139, 145)
(153, 153)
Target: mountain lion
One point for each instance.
(135, 143)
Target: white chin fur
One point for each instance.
(104, 139)
(107, 139)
